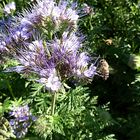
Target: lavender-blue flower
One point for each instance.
(52, 60)
(21, 120)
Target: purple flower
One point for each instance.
(45, 7)
(48, 9)
(91, 71)
(87, 9)
(59, 59)
(18, 36)
(18, 69)
(9, 8)
(35, 58)
(54, 60)
(12, 122)
(53, 83)
(83, 60)
(84, 69)
(25, 26)
(30, 20)
(65, 47)
(21, 120)
(71, 43)
(67, 12)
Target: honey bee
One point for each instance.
(103, 69)
(108, 41)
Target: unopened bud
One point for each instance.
(134, 62)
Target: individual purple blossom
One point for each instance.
(30, 20)
(67, 12)
(19, 36)
(22, 29)
(91, 71)
(87, 9)
(52, 83)
(21, 120)
(84, 69)
(2, 46)
(71, 42)
(83, 60)
(34, 56)
(45, 7)
(16, 38)
(66, 47)
(9, 8)
(64, 52)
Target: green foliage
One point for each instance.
(113, 33)
(4, 107)
(74, 110)
(5, 129)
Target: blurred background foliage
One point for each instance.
(113, 32)
(105, 108)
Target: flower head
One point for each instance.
(56, 60)
(54, 57)
(52, 83)
(21, 120)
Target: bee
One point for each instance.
(103, 69)
(108, 41)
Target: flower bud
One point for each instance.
(134, 62)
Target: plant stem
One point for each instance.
(10, 90)
(53, 103)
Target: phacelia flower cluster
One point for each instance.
(45, 41)
(45, 16)
(21, 120)
(57, 61)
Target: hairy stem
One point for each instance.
(53, 103)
